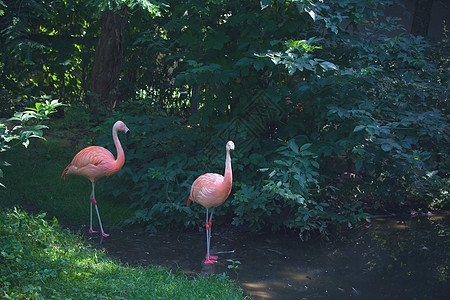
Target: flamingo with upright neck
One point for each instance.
(211, 190)
(95, 162)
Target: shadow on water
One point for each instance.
(384, 259)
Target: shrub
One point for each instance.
(30, 125)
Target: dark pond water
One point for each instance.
(384, 259)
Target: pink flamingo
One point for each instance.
(211, 190)
(95, 162)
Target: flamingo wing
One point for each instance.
(91, 162)
(204, 189)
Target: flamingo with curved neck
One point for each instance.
(95, 162)
(211, 190)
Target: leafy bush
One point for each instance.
(158, 186)
(330, 77)
(274, 77)
(30, 125)
(21, 256)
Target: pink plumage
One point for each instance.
(211, 190)
(95, 162)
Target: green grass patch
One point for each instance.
(40, 260)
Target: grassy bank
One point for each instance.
(40, 260)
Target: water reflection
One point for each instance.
(384, 259)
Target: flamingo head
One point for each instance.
(120, 126)
(230, 147)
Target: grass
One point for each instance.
(40, 260)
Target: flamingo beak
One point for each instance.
(127, 133)
(231, 152)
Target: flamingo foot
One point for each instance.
(92, 231)
(211, 259)
(105, 234)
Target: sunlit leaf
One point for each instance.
(265, 3)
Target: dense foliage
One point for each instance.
(334, 109)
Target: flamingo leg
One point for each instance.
(210, 259)
(100, 221)
(92, 198)
(207, 239)
(210, 226)
(98, 215)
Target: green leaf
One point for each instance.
(358, 163)
(4, 164)
(37, 127)
(306, 153)
(311, 13)
(293, 146)
(26, 143)
(386, 147)
(258, 65)
(216, 39)
(328, 65)
(265, 3)
(305, 146)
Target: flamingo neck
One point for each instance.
(228, 176)
(120, 155)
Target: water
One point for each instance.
(384, 259)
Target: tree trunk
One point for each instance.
(421, 18)
(108, 57)
(194, 98)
